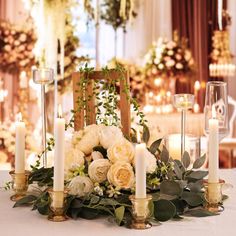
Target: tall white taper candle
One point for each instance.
(213, 148)
(140, 170)
(20, 146)
(58, 181)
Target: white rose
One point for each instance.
(121, 175)
(96, 155)
(80, 186)
(85, 140)
(121, 151)
(109, 135)
(151, 162)
(98, 169)
(73, 158)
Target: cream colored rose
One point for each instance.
(121, 175)
(121, 151)
(95, 155)
(80, 186)
(73, 158)
(109, 135)
(85, 140)
(151, 162)
(98, 170)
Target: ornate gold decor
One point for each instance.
(221, 59)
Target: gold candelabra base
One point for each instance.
(140, 212)
(20, 184)
(213, 196)
(57, 206)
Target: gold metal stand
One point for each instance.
(213, 196)
(20, 184)
(140, 212)
(57, 206)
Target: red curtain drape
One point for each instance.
(3, 9)
(196, 20)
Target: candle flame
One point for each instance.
(19, 117)
(197, 85)
(59, 111)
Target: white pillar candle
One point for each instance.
(20, 146)
(213, 148)
(58, 181)
(140, 170)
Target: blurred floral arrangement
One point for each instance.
(16, 45)
(59, 49)
(7, 136)
(116, 13)
(137, 78)
(169, 58)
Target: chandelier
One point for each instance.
(221, 59)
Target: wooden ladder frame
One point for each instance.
(90, 111)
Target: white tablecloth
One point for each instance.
(24, 222)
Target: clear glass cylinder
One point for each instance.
(43, 75)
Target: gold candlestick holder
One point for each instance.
(214, 196)
(140, 212)
(57, 205)
(20, 184)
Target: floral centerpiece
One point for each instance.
(169, 58)
(100, 177)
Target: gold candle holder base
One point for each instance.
(20, 184)
(213, 196)
(140, 212)
(57, 205)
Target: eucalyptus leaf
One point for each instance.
(186, 159)
(200, 213)
(180, 165)
(89, 213)
(164, 210)
(146, 134)
(199, 162)
(119, 213)
(27, 200)
(155, 146)
(179, 205)
(109, 202)
(193, 199)
(170, 187)
(43, 210)
(94, 199)
(198, 175)
(177, 170)
(196, 186)
(164, 155)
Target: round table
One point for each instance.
(24, 222)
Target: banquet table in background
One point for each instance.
(23, 222)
